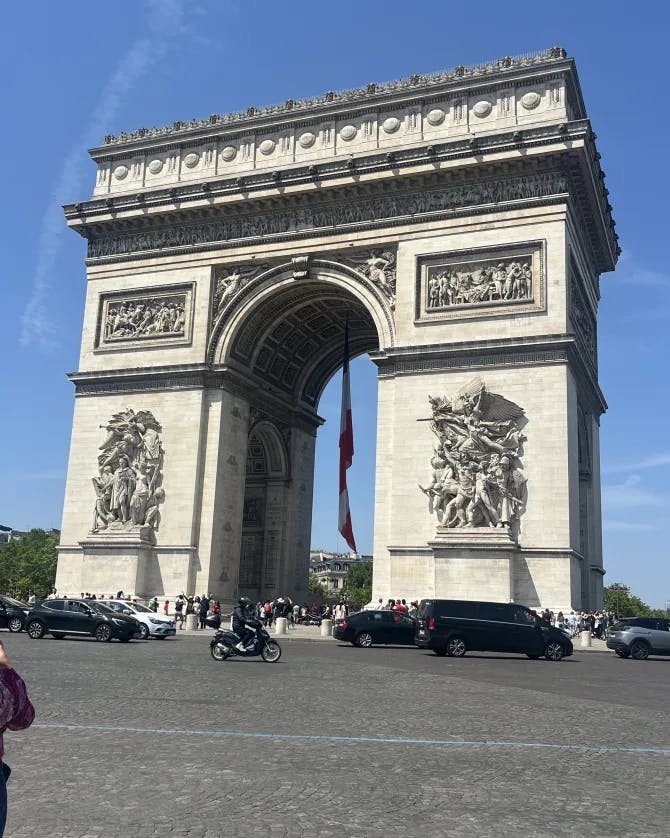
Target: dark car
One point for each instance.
(454, 627)
(639, 637)
(13, 613)
(59, 617)
(368, 627)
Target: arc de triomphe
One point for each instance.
(460, 222)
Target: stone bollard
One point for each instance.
(191, 622)
(280, 625)
(326, 628)
(585, 639)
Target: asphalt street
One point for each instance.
(157, 739)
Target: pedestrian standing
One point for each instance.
(203, 610)
(179, 611)
(16, 713)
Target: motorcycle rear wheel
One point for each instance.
(271, 651)
(219, 652)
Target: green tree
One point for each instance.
(358, 584)
(620, 600)
(28, 566)
(317, 590)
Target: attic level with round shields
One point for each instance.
(459, 223)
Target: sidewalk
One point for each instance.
(596, 646)
(297, 633)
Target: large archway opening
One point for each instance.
(288, 346)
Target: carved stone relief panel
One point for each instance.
(581, 316)
(150, 316)
(484, 282)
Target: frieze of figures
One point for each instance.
(300, 219)
(477, 478)
(479, 283)
(143, 316)
(128, 486)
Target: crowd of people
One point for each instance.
(598, 623)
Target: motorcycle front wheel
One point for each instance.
(271, 651)
(219, 652)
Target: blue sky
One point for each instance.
(72, 73)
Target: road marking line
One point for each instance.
(460, 743)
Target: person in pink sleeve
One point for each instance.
(16, 713)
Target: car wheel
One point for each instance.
(15, 624)
(621, 652)
(144, 632)
(364, 640)
(639, 650)
(57, 635)
(36, 630)
(554, 651)
(440, 651)
(271, 652)
(103, 633)
(456, 647)
(532, 657)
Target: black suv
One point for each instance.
(13, 613)
(453, 627)
(59, 617)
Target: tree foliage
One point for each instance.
(358, 584)
(620, 600)
(318, 592)
(28, 566)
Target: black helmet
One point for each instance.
(244, 602)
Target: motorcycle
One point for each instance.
(224, 644)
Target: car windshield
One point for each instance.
(9, 601)
(101, 607)
(142, 609)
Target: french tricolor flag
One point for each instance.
(346, 448)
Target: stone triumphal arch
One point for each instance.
(460, 223)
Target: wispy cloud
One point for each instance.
(652, 461)
(629, 495)
(628, 526)
(165, 22)
(631, 272)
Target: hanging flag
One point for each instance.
(346, 447)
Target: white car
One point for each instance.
(151, 624)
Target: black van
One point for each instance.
(454, 627)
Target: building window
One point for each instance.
(336, 583)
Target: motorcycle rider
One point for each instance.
(241, 613)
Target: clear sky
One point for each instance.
(75, 71)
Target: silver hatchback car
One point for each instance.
(639, 637)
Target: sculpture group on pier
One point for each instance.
(476, 479)
(130, 473)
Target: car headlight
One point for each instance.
(119, 622)
(155, 621)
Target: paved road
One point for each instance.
(163, 741)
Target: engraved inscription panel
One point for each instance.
(481, 282)
(145, 317)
